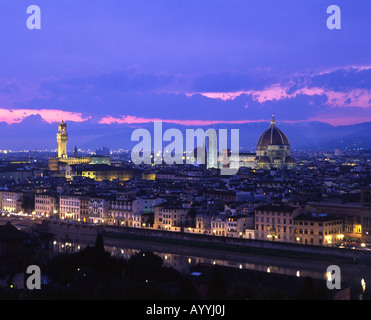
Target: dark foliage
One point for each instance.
(217, 287)
(93, 273)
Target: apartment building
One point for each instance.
(16, 172)
(219, 226)
(98, 210)
(245, 226)
(275, 222)
(170, 216)
(227, 195)
(46, 204)
(233, 226)
(356, 217)
(203, 223)
(125, 212)
(12, 201)
(74, 208)
(149, 203)
(318, 229)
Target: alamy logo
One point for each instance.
(333, 21)
(333, 277)
(34, 20)
(34, 279)
(211, 148)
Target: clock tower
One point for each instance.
(62, 138)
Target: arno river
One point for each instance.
(182, 258)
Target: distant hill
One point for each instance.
(34, 133)
(302, 135)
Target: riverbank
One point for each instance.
(230, 248)
(207, 242)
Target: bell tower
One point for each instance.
(62, 138)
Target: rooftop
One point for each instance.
(316, 217)
(276, 208)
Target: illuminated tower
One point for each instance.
(62, 138)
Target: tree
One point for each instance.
(217, 286)
(307, 291)
(99, 244)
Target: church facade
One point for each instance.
(273, 151)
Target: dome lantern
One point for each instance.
(273, 121)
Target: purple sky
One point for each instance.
(191, 62)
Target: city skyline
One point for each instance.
(186, 151)
(118, 65)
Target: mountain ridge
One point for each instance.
(34, 133)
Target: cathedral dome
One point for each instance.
(272, 136)
(273, 149)
(263, 160)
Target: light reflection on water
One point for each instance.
(183, 259)
(183, 263)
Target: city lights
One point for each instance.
(185, 153)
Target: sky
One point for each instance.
(104, 63)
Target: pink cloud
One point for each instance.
(356, 97)
(341, 121)
(133, 120)
(275, 92)
(11, 116)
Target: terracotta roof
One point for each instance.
(272, 136)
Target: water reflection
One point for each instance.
(183, 263)
(182, 259)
